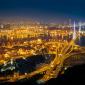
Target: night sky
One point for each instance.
(43, 10)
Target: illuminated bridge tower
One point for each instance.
(80, 27)
(79, 30)
(74, 32)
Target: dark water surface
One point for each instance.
(81, 41)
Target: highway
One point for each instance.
(49, 70)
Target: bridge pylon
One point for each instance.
(79, 30)
(74, 31)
